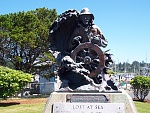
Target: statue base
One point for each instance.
(90, 102)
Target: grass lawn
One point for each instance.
(142, 107)
(23, 108)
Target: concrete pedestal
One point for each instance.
(107, 101)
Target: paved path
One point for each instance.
(130, 92)
(132, 95)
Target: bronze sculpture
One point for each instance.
(78, 42)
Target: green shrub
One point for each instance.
(12, 81)
(140, 86)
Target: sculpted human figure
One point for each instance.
(87, 31)
(68, 34)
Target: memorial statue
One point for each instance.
(77, 42)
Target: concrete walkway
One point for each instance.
(130, 92)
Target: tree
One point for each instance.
(24, 37)
(12, 81)
(110, 72)
(140, 86)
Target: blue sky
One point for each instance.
(125, 23)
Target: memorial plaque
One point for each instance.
(61, 107)
(86, 98)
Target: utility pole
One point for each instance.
(125, 68)
(139, 69)
(146, 67)
(115, 67)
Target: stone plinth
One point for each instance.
(97, 102)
